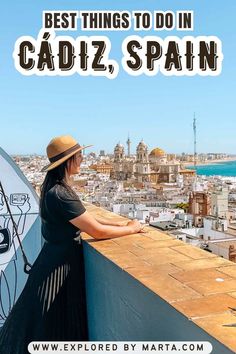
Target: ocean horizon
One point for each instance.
(227, 169)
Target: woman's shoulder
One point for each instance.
(66, 201)
(62, 192)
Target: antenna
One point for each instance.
(195, 140)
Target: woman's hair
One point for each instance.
(58, 175)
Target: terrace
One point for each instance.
(151, 287)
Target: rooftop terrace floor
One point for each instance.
(198, 284)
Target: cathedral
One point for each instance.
(155, 167)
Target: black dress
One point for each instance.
(52, 305)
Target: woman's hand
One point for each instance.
(135, 225)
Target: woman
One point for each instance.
(52, 305)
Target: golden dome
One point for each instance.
(157, 152)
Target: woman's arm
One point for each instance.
(110, 222)
(87, 223)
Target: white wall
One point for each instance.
(219, 250)
(195, 231)
(213, 234)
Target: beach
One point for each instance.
(210, 162)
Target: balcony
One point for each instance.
(150, 287)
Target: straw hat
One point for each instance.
(61, 149)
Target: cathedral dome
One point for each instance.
(119, 147)
(157, 152)
(142, 146)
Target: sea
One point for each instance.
(219, 169)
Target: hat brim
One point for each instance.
(53, 165)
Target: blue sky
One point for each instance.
(99, 111)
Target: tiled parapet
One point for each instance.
(190, 286)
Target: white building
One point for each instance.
(219, 202)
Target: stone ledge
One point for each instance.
(200, 285)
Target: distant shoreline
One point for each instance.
(210, 162)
